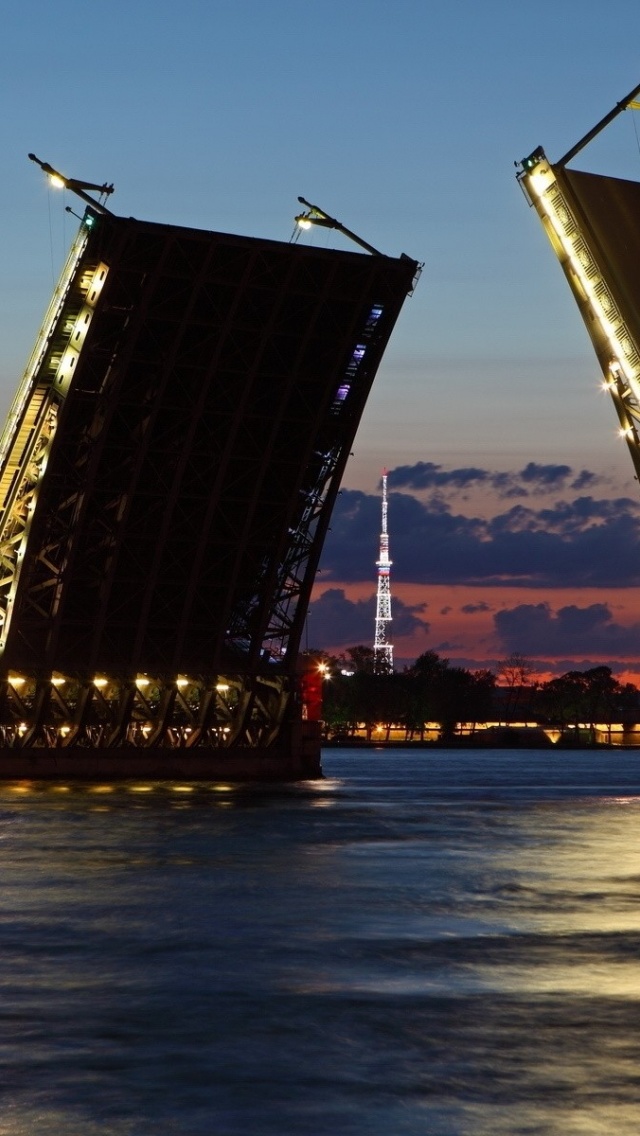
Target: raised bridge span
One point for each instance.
(167, 475)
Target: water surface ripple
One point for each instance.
(433, 943)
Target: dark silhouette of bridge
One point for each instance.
(167, 475)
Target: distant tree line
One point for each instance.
(433, 691)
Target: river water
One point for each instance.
(429, 943)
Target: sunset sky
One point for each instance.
(514, 516)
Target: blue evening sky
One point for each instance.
(402, 119)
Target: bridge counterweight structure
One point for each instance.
(167, 475)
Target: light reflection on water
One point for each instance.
(443, 943)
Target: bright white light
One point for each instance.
(56, 181)
(304, 223)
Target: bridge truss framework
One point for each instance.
(167, 475)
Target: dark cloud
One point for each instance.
(428, 475)
(541, 662)
(534, 629)
(584, 542)
(473, 608)
(585, 480)
(534, 478)
(549, 476)
(336, 621)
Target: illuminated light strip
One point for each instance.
(42, 342)
(586, 269)
(18, 447)
(5, 616)
(66, 367)
(92, 284)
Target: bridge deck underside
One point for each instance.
(204, 414)
(609, 211)
(197, 453)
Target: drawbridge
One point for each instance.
(593, 224)
(167, 474)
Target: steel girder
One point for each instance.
(109, 712)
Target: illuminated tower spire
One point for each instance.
(382, 646)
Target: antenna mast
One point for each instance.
(382, 646)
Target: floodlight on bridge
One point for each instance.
(59, 181)
(317, 216)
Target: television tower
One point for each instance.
(382, 646)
